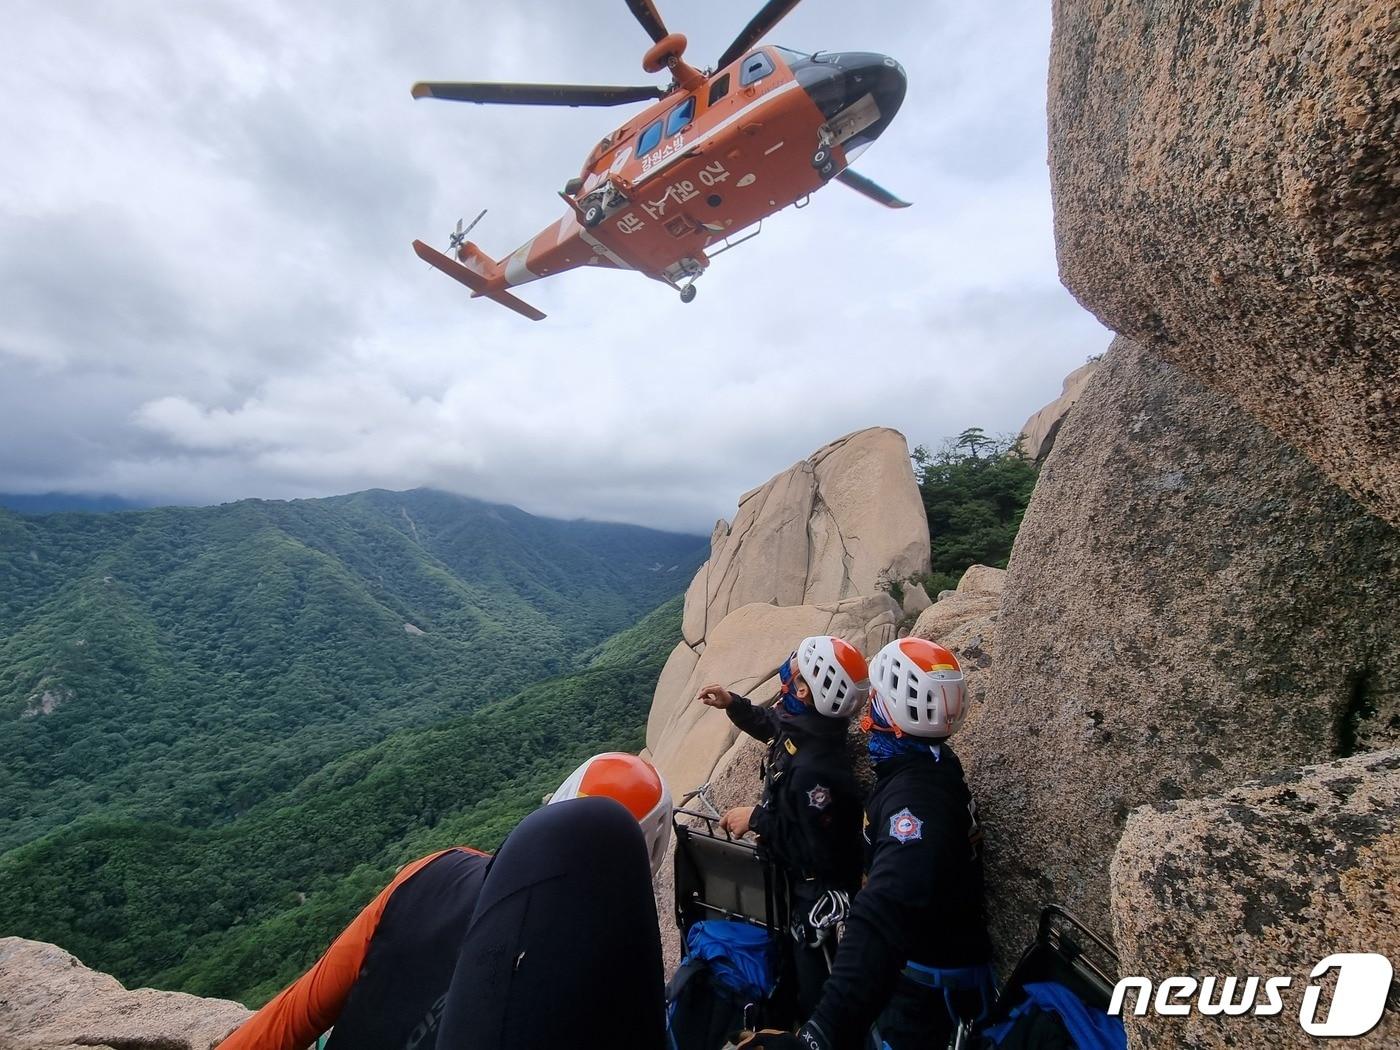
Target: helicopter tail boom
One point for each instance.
(479, 273)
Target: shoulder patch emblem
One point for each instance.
(905, 827)
(819, 797)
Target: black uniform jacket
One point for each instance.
(808, 817)
(922, 899)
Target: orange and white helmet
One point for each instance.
(919, 688)
(836, 674)
(636, 784)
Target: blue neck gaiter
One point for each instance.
(883, 743)
(791, 704)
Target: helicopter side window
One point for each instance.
(651, 137)
(756, 67)
(719, 89)
(681, 116)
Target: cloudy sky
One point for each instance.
(207, 290)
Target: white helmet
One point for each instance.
(836, 674)
(636, 784)
(919, 687)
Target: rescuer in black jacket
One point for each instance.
(916, 950)
(808, 817)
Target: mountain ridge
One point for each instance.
(185, 663)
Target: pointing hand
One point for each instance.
(716, 696)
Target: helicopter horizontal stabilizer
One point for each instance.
(479, 284)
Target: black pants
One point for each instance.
(563, 949)
(810, 965)
(917, 1017)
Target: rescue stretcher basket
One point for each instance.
(1065, 951)
(719, 876)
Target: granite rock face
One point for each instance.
(685, 738)
(1190, 603)
(49, 1000)
(947, 614)
(835, 525)
(1038, 434)
(982, 579)
(1226, 181)
(1269, 880)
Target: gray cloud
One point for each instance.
(206, 289)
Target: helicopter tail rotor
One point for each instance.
(458, 237)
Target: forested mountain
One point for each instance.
(240, 909)
(54, 502)
(184, 664)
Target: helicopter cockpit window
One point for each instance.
(755, 68)
(651, 137)
(789, 54)
(681, 116)
(719, 88)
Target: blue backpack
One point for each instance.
(728, 970)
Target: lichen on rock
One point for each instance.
(1268, 880)
(1226, 184)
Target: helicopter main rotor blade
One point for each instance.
(769, 15)
(537, 94)
(644, 11)
(871, 189)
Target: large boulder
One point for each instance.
(684, 737)
(982, 579)
(950, 612)
(839, 524)
(1189, 603)
(49, 1000)
(1226, 180)
(813, 551)
(1268, 880)
(1038, 434)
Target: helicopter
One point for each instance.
(716, 152)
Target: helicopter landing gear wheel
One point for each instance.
(688, 293)
(824, 162)
(593, 215)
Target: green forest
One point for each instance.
(185, 664)
(975, 488)
(222, 725)
(239, 910)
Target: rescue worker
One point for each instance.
(463, 949)
(808, 816)
(916, 950)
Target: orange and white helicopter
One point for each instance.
(717, 152)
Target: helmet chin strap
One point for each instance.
(887, 740)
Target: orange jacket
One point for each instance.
(310, 1005)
